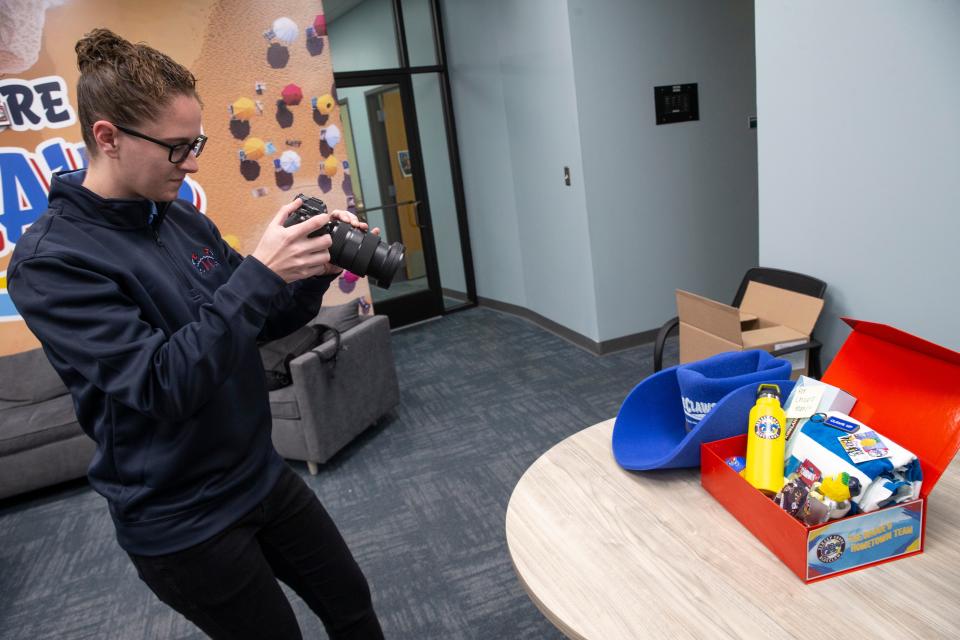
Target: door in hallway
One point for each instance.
(389, 191)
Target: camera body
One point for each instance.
(310, 207)
(354, 250)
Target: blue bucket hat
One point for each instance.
(666, 417)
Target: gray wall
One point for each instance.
(542, 84)
(859, 104)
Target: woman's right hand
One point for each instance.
(288, 252)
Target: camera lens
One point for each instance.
(365, 255)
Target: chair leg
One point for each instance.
(313, 468)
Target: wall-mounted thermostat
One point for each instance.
(677, 103)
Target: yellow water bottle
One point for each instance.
(765, 441)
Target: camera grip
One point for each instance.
(302, 215)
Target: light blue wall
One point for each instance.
(513, 87)
(366, 173)
(477, 88)
(365, 37)
(545, 84)
(859, 131)
(418, 24)
(436, 160)
(671, 205)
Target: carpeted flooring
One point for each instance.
(420, 498)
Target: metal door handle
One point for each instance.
(387, 206)
(416, 215)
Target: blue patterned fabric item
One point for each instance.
(836, 443)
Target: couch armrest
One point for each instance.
(340, 399)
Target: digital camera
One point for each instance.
(360, 253)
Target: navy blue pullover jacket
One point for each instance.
(153, 326)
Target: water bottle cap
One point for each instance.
(768, 391)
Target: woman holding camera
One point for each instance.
(152, 321)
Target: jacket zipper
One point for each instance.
(173, 264)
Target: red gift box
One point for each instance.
(907, 389)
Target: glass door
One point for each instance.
(389, 190)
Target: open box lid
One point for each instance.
(711, 316)
(906, 388)
(781, 306)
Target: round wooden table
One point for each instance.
(607, 553)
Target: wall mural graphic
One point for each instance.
(264, 74)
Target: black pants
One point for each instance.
(228, 585)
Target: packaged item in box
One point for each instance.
(835, 444)
(810, 397)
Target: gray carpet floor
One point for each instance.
(420, 498)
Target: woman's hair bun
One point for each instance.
(102, 46)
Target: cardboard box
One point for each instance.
(906, 389)
(769, 318)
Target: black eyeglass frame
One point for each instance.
(196, 146)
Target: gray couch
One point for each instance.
(40, 441)
(328, 404)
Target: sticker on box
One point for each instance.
(866, 539)
(864, 446)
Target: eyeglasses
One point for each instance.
(178, 152)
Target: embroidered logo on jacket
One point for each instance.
(204, 261)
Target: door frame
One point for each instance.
(419, 305)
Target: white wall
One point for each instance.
(670, 206)
(859, 105)
(515, 103)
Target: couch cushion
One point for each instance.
(34, 425)
(283, 404)
(29, 377)
(341, 317)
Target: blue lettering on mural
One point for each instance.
(24, 184)
(42, 103)
(24, 198)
